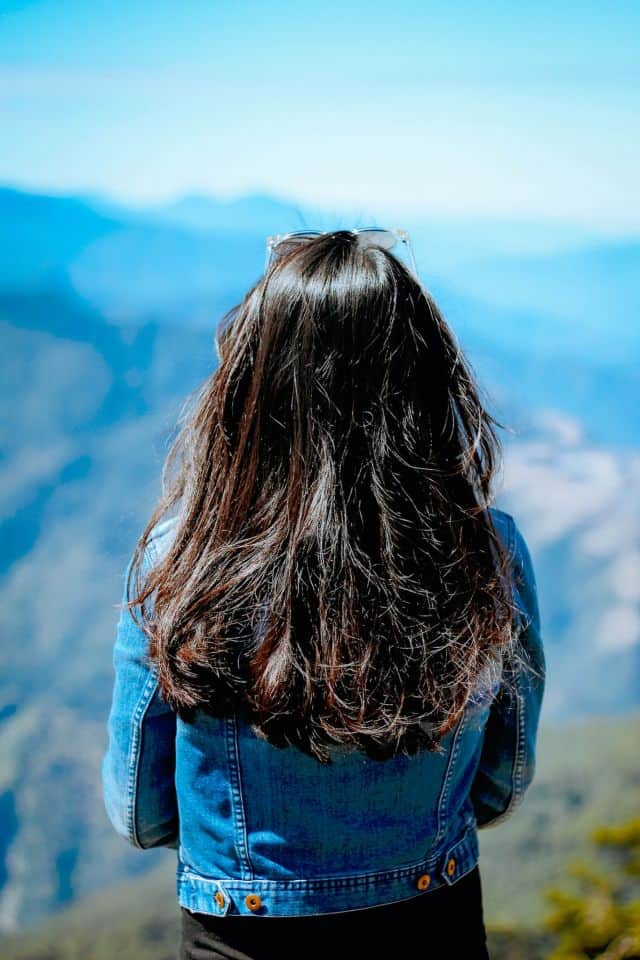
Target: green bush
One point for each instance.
(599, 917)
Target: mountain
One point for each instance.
(41, 236)
(107, 318)
(536, 286)
(584, 302)
(255, 213)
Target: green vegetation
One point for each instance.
(600, 917)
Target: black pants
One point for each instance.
(445, 923)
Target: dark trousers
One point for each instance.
(448, 922)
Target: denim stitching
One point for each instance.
(444, 793)
(518, 760)
(468, 842)
(464, 845)
(518, 766)
(133, 760)
(236, 791)
(459, 874)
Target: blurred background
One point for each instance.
(146, 151)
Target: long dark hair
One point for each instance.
(334, 573)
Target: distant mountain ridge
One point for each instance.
(252, 213)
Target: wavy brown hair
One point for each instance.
(334, 574)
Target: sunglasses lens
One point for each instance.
(282, 245)
(378, 238)
(388, 240)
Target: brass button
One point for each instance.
(423, 882)
(253, 901)
(219, 898)
(451, 867)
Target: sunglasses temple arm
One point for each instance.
(407, 242)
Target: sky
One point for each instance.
(497, 109)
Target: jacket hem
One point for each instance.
(223, 896)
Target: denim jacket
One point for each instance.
(265, 831)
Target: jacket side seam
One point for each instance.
(518, 766)
(133, 762)
(516, 775)
(239, 815)
(518, 758)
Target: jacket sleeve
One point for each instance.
(507, 761)
(138, 768)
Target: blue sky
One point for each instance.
(501, 109)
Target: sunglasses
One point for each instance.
(281, 243)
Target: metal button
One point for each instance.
(253, 901)
(219, 898)
(451, 867)
(423, 882)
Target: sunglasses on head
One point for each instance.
(281, 243)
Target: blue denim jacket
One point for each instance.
(265, 831)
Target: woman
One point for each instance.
(329, 674)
